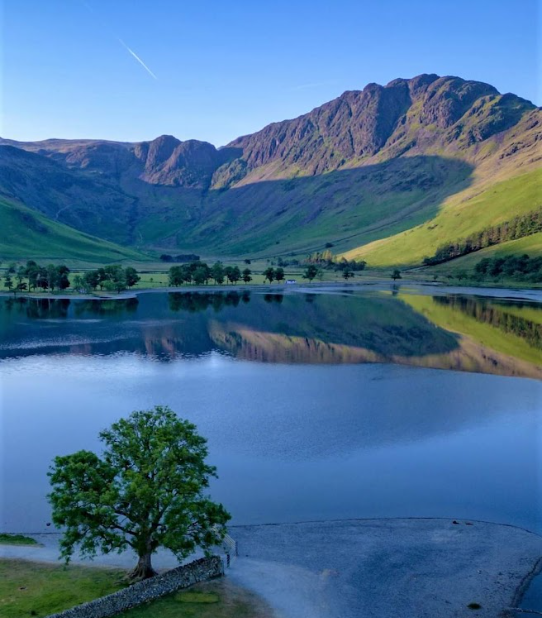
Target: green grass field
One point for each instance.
(462, 215)
(26, 234)
(32, 589)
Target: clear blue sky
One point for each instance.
(225, 68)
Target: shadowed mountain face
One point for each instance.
(364, 166)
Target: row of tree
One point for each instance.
(521, 268)
(200, 273)
(326, 259)
(518, 227)
(110, 278)
(33, 276)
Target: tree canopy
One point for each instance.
(145, 491)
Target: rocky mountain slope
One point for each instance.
(368, 166)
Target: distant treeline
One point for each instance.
(327, 260)
(522, 268)
(518, 227)
(491, 313)
(200, 273)
(183, 257)
(515, 267)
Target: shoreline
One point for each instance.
(316, 566)
(405, 285)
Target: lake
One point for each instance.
(323, 405)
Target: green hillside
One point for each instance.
(27, 234)
(460, 216)
(530, 245)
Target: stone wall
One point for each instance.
(147, 590)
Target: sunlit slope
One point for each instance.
(530, 245)
(27, 234)
(461, 215)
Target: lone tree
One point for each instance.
(144, 492)
(310, 272)
(396, 274)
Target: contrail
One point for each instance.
(131, 51)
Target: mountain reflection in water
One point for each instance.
(446, 332)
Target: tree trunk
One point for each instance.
(143, 569)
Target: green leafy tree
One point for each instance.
(269, 274)
(116, 274)
(279, 274)
(20, 274)
(347, 273)
(32, 272)
(63, 279)
(217, 273)
(52, 277)
(310, 272)
(247, 275)
(396, 274)
(42, 278)
(132, 278)
(108, 285)
(176, 276)
(8, 282)
(80, 284)
(186, 273)
(233, 273)
(146, 491)
(92, 279)
(102, 277)
(200, 275)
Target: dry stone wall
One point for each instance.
(147, 590)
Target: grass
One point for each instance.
(464, 214)
(16, 539)
(33, 589)
(531, 245)
(216, 599)
(27, 234)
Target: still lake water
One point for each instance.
(316, 406)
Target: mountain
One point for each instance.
(382, 174)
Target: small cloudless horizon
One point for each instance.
(207, 70)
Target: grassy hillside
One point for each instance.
(302, 214)
(27, 234)
(461, 215)
(530, 245)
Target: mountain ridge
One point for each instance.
(445, 135)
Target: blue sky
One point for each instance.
(227, 68)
